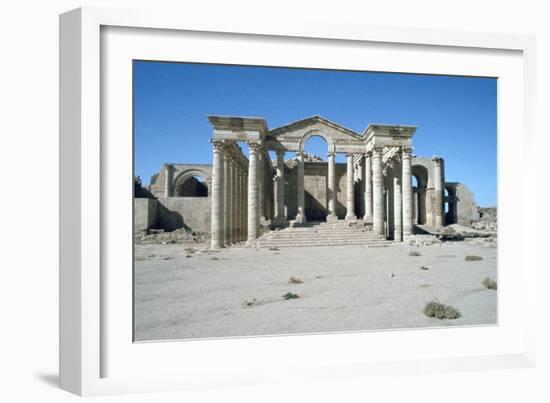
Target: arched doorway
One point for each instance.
(315, 177)
(191, 185)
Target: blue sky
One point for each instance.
(456, 116)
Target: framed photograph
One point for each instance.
(241, 201)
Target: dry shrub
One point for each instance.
(490, 283)
(435, 309)
(294, 280)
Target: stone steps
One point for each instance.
(321, 234)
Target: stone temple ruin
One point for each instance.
(383, 192)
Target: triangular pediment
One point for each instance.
(316, 122)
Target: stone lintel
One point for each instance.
(389, 135)
(238, 127)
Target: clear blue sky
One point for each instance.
(456, 116)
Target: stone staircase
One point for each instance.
(338, 233)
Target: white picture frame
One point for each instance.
(86, 345)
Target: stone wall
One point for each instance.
(191, 213)
(466, 206)
(145, 212)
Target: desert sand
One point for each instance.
(182, 293)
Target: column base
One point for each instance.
(351, 217)
(300, 219)
(367, 219)
(216, 246)
(332, 218)
(279, 221)
(397, 236)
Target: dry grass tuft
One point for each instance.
(472, 258)
(414, 253)
(490, 283)
(290, 295)
(435, 309)
(294, 280)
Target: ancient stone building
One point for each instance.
(382, 184)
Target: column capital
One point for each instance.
(168, 166)
(253, 146)
(436, 159)
(218, 146)
(377, 151)
(407, 152)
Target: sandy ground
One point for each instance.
(344, 289)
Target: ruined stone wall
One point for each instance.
(191, 213)
(145, 213)
(467, 210)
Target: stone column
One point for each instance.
(368, 188)
(361, 189)
(301, 207)
(415, 205)
(234, 201)
(350, 202)
(261, 186)
(439, 192)
(388, 187)
(332, 191)
(227, 197)
(168, 180)
(407, 192)
(280, 189)
(217, 222)
(378, 192)
(253, 199)
(397, 203)
(242, 204)
(245, 204)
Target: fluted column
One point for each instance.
(368, 187)
(242, 201)
(217, 223)
(377, 192)
(439, 192)
(234, 201)
(332, 191)
(397, 203)
(167, 180)
(361, 181)
(245, 205)
(280, 189)
(300, 215)
(227, 197)
(350, 202)
(407, 192)
(253, 199)
(261, 186)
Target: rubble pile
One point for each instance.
(487, 219)
(159, 236)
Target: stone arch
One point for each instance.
(320, 133)
(182, 177)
